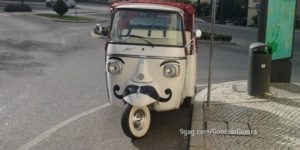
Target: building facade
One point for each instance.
(253, 6)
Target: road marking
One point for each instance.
(296, 83)
(3, 14)
(52, 130)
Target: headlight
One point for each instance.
(171, 70)
(114, 67)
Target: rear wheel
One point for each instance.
(186, 102)
(136, 121)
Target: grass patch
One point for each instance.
(66, 18)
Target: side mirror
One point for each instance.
(100, 31)
(198, 33)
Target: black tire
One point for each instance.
(186, 102)
(126, 121)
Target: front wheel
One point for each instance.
(135, 121)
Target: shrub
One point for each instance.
(60, 7)
(17, 8)
(218, 37)
(105, 31)
(255, 20)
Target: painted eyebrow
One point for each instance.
(169, 61)
(117, 58)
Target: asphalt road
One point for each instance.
(52, 86)
(230, 62)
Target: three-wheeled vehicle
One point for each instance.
(151, 59)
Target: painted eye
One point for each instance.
(171, 70)
(114, 67)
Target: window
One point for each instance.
(158, 27)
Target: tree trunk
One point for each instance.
(22, 2)
(198, 8)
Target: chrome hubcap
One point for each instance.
(139, 119)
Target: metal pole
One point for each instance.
(221, 13)
(262, 20)
(76, 18)
(213, 20)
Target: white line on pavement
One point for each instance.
(296, 83)
(52, 130)
(2, 14)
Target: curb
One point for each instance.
(197, 141)
(218, 42)
(58, 20)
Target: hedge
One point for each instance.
(17, 8)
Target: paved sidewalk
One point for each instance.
(235, 120)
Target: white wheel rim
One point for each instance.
(139, 121)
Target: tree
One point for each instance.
(60, 7)
(205, 8)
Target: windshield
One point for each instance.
(144, 27)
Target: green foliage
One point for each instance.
(17, 8)
(105, 31)
(66, 18)
(255, 20)
(60, 7)
(205, 7)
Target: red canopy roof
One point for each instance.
(188, 9)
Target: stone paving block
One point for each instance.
(239, 88)
(240, 128)
(220, 125)
(275, 119)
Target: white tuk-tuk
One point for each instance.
(150, 59)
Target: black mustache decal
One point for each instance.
(147, 90)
